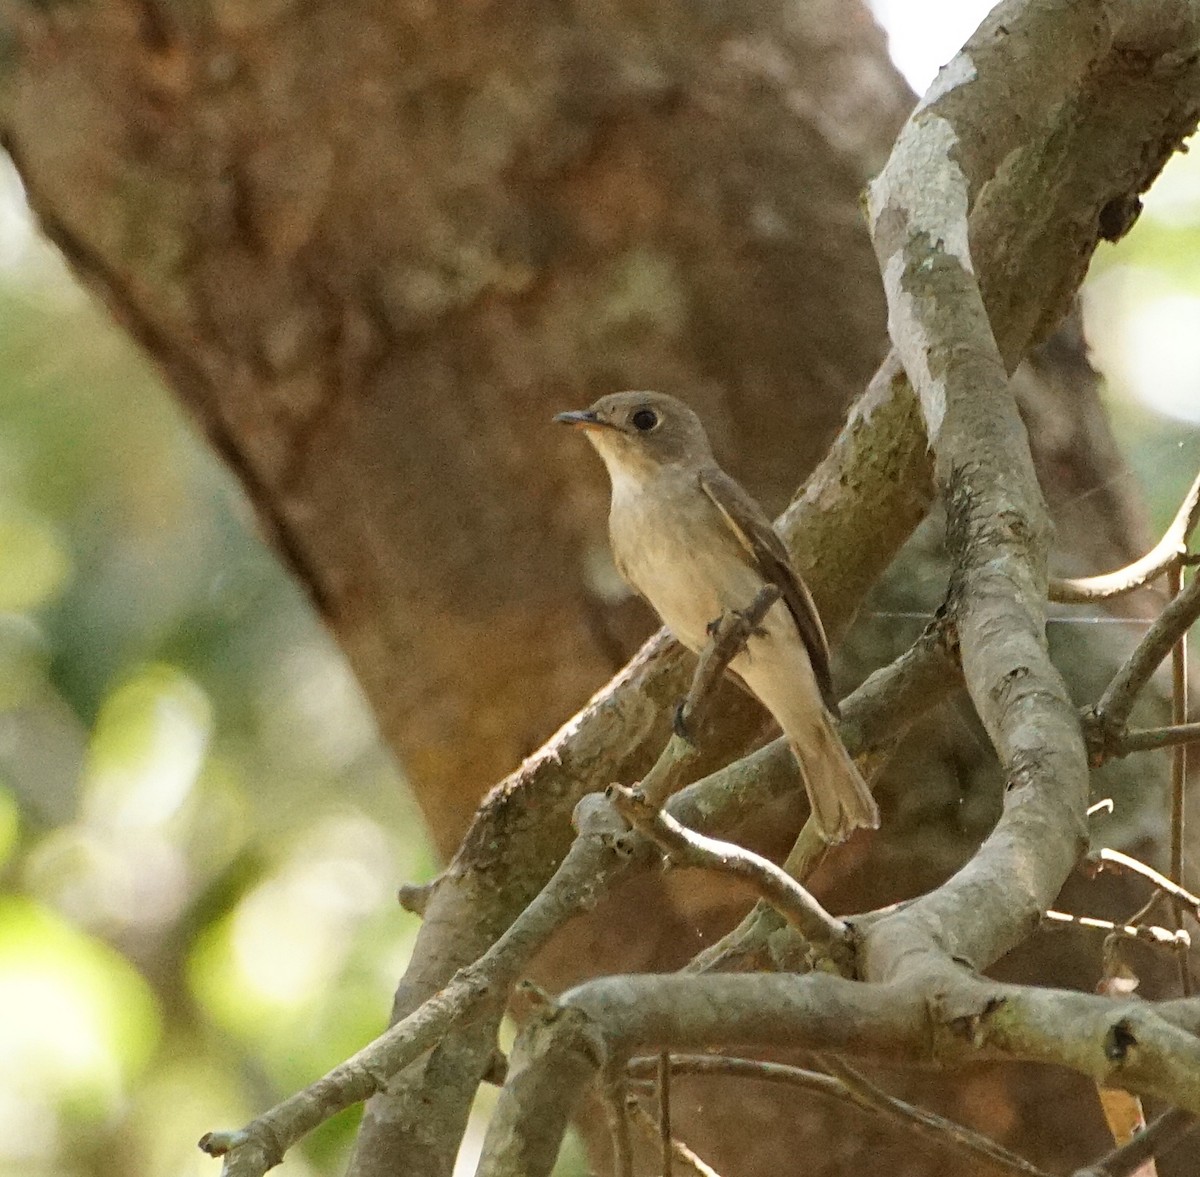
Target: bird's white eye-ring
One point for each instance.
(644, 420)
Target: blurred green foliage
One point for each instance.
(200, 833)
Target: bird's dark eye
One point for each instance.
(644, 420)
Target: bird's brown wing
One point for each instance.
(756, 535)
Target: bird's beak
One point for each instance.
(581, 419)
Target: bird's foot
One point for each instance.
(751, 630)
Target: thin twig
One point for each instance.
(664, 1112)
(690, 1165)
(1160, 1136)
(858, 1091)
(1112, 711)
(1107, 859)
(687, 848)
(646, 1066)
(1167, 555)
(1179, 709)
(615, 1100)
(867, 1094)
(729, 636)
(1147, 933)
(1152, 738)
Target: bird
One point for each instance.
(694, 544)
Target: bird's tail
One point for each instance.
(840, 799)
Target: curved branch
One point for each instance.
(687, 848)
(997, 526)
(1168, 553)
(1111, 713)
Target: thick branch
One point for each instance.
(950, 1018)
(997, 524)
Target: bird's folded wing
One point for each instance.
(756, 535)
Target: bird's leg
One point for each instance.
(727, 637)
(731, 632)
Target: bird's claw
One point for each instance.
(752, 631)
(713, 628)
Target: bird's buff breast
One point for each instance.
(673, 548)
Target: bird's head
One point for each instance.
(639, 432)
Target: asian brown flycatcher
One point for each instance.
(689, 539)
